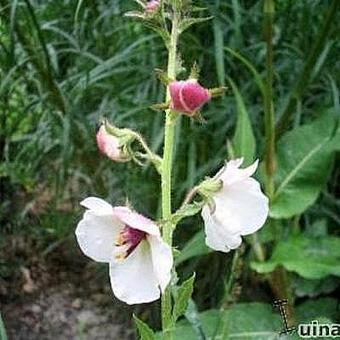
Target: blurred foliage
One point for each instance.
(65, 64)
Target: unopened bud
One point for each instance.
(152, 6)
(188, 96)
(110, 145)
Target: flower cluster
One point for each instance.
(232, 204)
(140, 261)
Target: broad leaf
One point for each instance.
(244, 140)
(311, 258)
(255, 321)
(242, 321)
(3, 335)
(194, 247)
(193, 317)
(183, 295)
(336, 138)
(318, 308)
(312, 288)
(145, 332)
(304, 158)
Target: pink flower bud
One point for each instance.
(188, 96)
(109, 145)
(152, 6)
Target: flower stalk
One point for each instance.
(166, 174)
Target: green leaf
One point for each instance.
(186, 211)
(188, 22)
(312, 288)
(241, 321)
(219, 51)
(304, 159)
(76, 14)
(254, 321)
(318, 308)
(145, 332)
(3, 335)
(257, 77)
(311, 258)
(336, 139)
(195, 247)
(194, 319)
(244, 140)
(183, 295)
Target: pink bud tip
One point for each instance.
(188, 96)
(109, 145)
(152, 6)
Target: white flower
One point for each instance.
(240, 207)
(140, 261)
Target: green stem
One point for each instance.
(268, 100)
(167, 321)
(305, 76)
(269, 116)
(279, 280)
(258, 249)
(228, 297)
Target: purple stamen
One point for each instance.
(131, 238)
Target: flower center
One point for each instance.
(127, 241)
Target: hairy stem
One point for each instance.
(167, 322)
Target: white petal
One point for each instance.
(216, 237)
(133, 280)
(96, 235)
(241, 207)
(232, 174)
(136, 221)
(97, 205)
(162, 260)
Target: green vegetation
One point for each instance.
(64, 65)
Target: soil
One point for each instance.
(59, 295)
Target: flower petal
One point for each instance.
(133, 280)
(231, 173)
(136, 221)
(241, 207)
(216, 237)
(97, 205)
(193, 95)
(96, 235)
(175, 88)
(162, 260)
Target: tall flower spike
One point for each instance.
(239, 207)
(188, 96)
(140, 261)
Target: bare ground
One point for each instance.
(61, 296)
